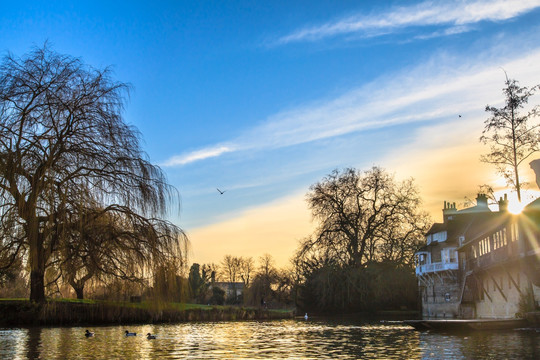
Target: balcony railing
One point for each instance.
(434, 267)
(494, 257)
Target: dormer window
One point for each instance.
(440, 236)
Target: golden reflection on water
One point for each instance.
(287, 339)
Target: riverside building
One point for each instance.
(481, 264)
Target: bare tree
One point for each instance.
(267, 266)
(363, 217)
(265, 278)
(510, 136)
(247, 266)
(231, 267)
(62, 132)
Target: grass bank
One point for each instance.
(21, 312)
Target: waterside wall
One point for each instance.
(25, 313)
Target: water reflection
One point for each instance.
(291, 339)
(33, 343)
(517, 344)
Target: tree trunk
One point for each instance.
(79, 290)
(37, 261)
(78, 285)
(37, 285)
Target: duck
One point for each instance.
(130, 333)
(88, 333)
(150, 336)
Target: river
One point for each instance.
(316, 338)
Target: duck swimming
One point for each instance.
(130, 333)
(150, 336)
(88, 333)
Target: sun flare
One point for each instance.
(515, 207)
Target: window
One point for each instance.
(514, 231)
(484, 246)
(453, 256)
(499, 239)
(440, 236)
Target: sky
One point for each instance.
(264, 98)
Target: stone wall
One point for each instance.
(497, 282)
(440, 299)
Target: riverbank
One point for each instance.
(18, 312)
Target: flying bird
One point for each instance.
(221, 192)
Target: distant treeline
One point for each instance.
(377, 287)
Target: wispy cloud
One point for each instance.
(428, 93)
(454, 30)
(197, 155)
(451, 14)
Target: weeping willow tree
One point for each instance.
(62, 131)
(115, 242)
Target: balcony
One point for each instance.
(493, 258)
(435, 267)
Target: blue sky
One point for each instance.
(263, 99)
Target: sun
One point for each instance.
(515, 207)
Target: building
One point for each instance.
(233, 290)
(481, 264)
(437, 265)
(501, 268)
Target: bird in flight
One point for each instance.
(221, 192)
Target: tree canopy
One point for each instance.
(364, 217)
(63, 141)
(510, 134)
(369, 227)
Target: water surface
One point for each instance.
(317, 338)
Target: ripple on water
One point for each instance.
(287, 339)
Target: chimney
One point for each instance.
(503, 203)
(449, 210)
(481, 200)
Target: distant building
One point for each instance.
(233, 290)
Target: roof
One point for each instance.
(484, 225)
(533, 206)
(437, 227)
(479, 221)
(469, 224)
